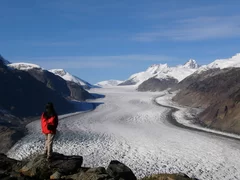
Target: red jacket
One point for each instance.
(51, 121)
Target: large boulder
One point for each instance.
(66, 164)
(41, 168)
(118, 171)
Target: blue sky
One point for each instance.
(112, 39)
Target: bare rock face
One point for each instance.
(154, 84)
(218, 92)
(77, 92)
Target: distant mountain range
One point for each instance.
(108, 83)
(163, 71)
(160, 76)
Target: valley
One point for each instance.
(129, 127)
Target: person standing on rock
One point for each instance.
(49, 123)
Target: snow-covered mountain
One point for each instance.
(163, 71)
(59, 72)
(191, 64)
(69, 77)
(23, 66)
(234, 61)
(64, 86)
(108, 83)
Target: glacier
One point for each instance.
(128, 126)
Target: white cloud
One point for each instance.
(200, 28)
(55, 43)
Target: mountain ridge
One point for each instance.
(163, 71)
(69, 77)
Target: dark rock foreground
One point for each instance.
(67, 168)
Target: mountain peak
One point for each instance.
(191, 63)
(59, 72)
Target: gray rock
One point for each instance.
(118, 171)
(66, 164)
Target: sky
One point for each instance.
(111, 39)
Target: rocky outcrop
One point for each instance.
(64, 167)
(218, 92)
(154, 84)
(41, 168)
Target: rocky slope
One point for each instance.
(155, 84)
(65, 88)
(218, 91)
(22, 95)
(11, 129)
(68, 168)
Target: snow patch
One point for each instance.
(24, 66)
(234, 61)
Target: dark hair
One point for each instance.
(49, 110)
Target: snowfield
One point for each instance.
(131, 128)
